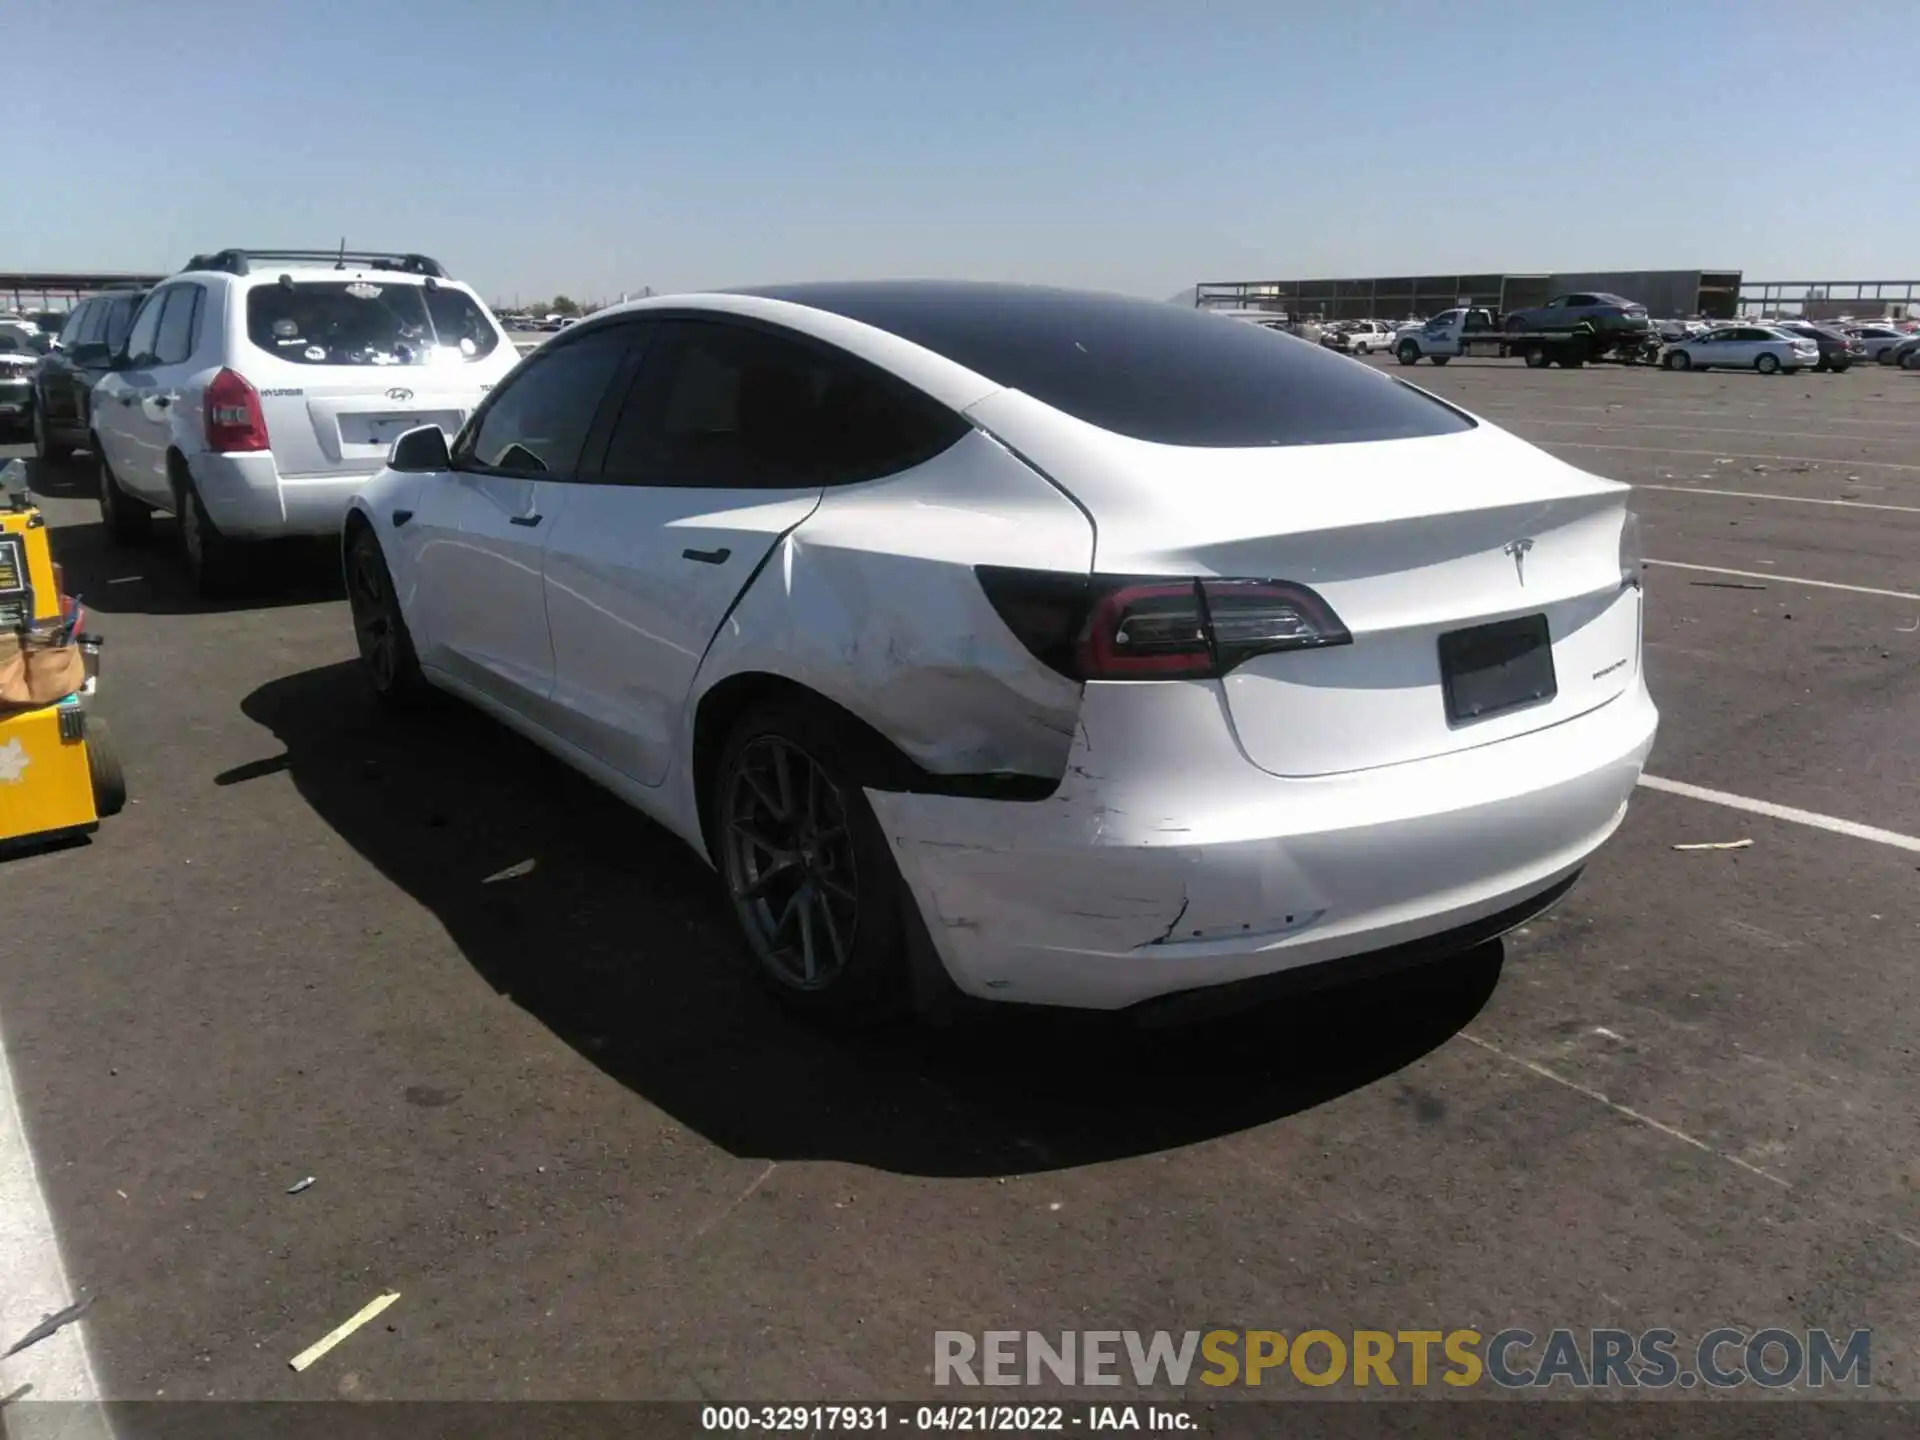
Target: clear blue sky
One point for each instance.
(592, 146)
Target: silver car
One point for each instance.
(1743, 347)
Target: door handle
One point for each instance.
(707, 557)
(161, 402)
(523, 519)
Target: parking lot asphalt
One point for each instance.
(553, 1114)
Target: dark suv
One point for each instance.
(64, 379)
(1569, 312)
(1838, 351)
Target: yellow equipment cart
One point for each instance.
(59, 773)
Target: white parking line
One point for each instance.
(1791, 499)
(33, 1285)
(1731, 455)
(1784, 579)
(1784, 812)
(1636, 423)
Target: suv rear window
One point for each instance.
(367, 322)
(1156, 372)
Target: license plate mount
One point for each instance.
(1492, 669)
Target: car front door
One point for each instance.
(116, 417)
(477, 531)
(54, 387)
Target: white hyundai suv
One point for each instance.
(258, 389)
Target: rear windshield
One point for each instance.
(367, 322)
(1158, 372)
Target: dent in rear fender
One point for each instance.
(872, 601)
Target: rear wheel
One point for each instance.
(387, 656)
(1910, 360)
(216, 564)
(1536, 357)
(1407, 353)
(45, 447)
(103, 769)
(1839, 367)
(1767, 364)
(1440, 359)
(127, 520)
(814, 887)
(1678, 360)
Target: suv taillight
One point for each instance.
(1108, 627)
(234, 419)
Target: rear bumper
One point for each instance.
(247, 497)
(1167, 863)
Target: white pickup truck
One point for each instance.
(1477, 332)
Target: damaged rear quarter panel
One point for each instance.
(873, 603)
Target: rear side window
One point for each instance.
(726, 406)
(536, 424)
(366, 322)
(1156, 372)
(179, 325)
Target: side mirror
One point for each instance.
(420, 451)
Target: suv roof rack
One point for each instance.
(240, 262)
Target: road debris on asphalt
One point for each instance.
(50, 1325)
(299, 1185)
(1716, 845)
(333, 1337)
(512, 872)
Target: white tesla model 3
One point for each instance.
(1057, 647)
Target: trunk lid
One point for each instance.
(326, 422)
(1407, 540)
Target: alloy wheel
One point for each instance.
(790, 864)
(371, 600)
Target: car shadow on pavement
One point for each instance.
(619, 940)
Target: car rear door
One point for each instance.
(712, 459)
(477, 532)
(345, 367)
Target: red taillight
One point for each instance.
(234, 418)
(1151, 628)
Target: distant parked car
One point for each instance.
(1364, 337)
(1838, 350)
(1876, 340)
(1744, 347)
(1570, 312)
(1906, 354)
(81, 355)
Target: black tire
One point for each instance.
(216, 564)
(1767, 364)
(103, 769)
(1572, 362)
(127, 519)
(1536, 357)
(1677, 360)
(387, 657)
(1910, 360)
(854, 972)
(45, 448)
(1440, 359)
(1407, 353)
(1839, 367)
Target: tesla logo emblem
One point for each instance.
(1518, 550)
(398, 394)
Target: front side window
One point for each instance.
(178, 322)
(536, 424)
(119, 320)
(367, 322)
(728, 406)
(76, 324)
(146, 328)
